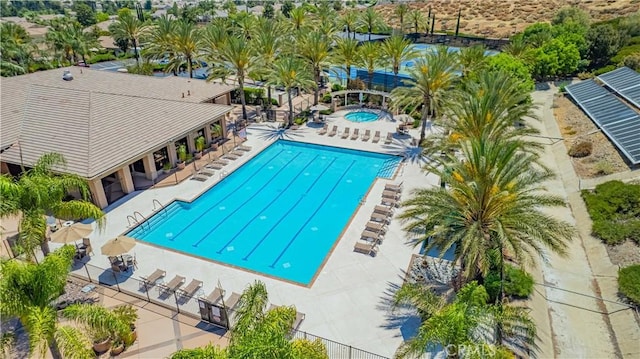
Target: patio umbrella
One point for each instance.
(117, 246)
(319, 107)
(72, 233)
(404, 118)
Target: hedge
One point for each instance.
(629, 282)
(517, 283)
(614, 207)
(101, 57)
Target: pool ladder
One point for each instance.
(160, 206)
(134, 218)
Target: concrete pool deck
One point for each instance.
(346, 301)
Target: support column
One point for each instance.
(4, 168)
(126, 181)
(173, 155)
(223, 124)
(191, 143)
(207, 134)
(97, 193)
(149, 167)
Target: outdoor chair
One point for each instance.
(324, 129)
(215, 165)
(86, 245)
(376, 137)
(334, 131)
(154, 277)
(366, 248)
(244, 148)
(215, 296)
(207, 172)
(192, 288)
(345, 133)
(391, 202)
(383, 210)
(393, 187)
(231, 156)
(173, 284)
(391, 194)
(415, 142)
(356, 134)
(389, 138)
(232, 301)
(237, 153)
(199, 177)
(376, 227)
(366, 136)
(376, 237)
(379, 217)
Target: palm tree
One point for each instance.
(290, 72)
(185, 45)
(417, 19)
(396, 50)
(161, 38)
(313, 47)
(129, 27)
(267, 41)
(467, 322)
(345, 53)
(260, 333)
(519, 49)
(349, 20)
(244, 23)
(493, 207)
(429, 78)
(472, 59)
(28, 291)
(401, 11)
(298, 18)
(39, 192)
(370, 20)
(236, 56)
(369, 58)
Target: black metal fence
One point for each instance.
(125, 282)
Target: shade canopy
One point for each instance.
(403, 118)
(72, 233)
(118, 246)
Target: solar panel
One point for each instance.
(625, 82)
(617, 120)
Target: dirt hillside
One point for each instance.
(502, 18)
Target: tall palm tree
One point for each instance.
(519, 48)
(129, 27)
(493, 207)
(313, 47)
(244, 24)
(267, 41)
(345, 53)
(401, 11)
(39, 192)
(28, 291)
(369, 58)
(396, 50)
(298, 18)
(161, 38)
(185, 45)
(371, 21)
(418, 20)
(429, 78)
(349, 20)
(471, 59)
(467, 322)
(290, 72)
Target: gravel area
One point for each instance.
(576, 126)
(624, 254)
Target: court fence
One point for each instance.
(125, 282)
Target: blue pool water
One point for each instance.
(361, 116)
(279, 214)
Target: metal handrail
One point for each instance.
(144, 219)
(129, 218)
(160, 206)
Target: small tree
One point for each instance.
(85, 15)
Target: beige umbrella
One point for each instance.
(72, 233)
(117, 246)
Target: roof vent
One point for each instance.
(67, 76)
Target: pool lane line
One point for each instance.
(274, 199)
(225, 197)
(286, 248)
(302, 196)
(243, 203)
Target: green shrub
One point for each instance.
(275, 102)
(581, 149)
(299, 121)
(629, 283)
(517, 283)
(101, 57)
(582, 76)
(326, 98)
(337, 87)
(624, 52)
(604, 168)
(614, 208)
(417, 123)
(603, 70)
(326, 112)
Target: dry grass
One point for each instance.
(502, 18)
(575, 126)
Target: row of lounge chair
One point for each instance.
(356, 134)
(194, 288)
(217, 164)
(376, 228)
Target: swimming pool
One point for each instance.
(361, 116)
(279, 214)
